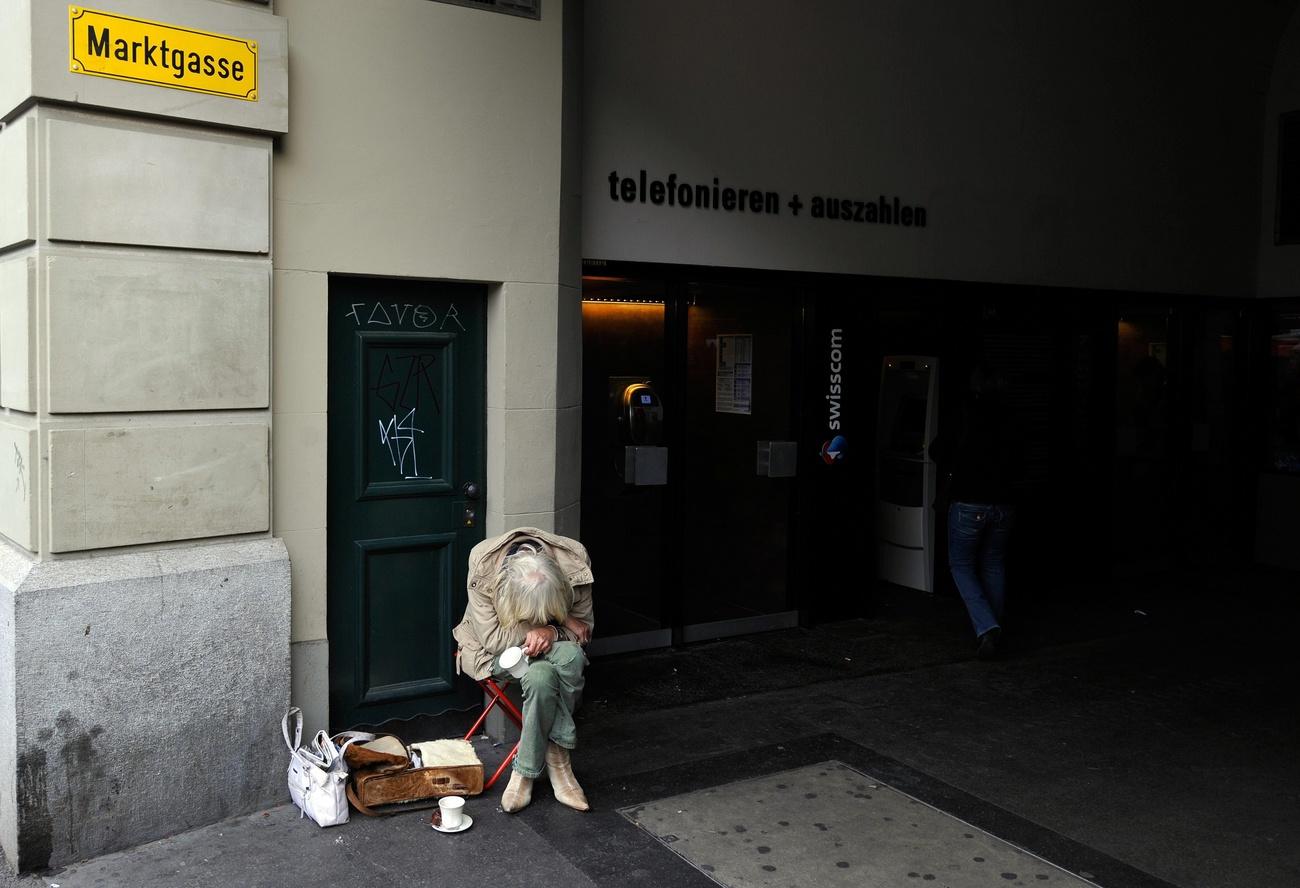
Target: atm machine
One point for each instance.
(906, 477)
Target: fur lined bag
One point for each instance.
(388, 777)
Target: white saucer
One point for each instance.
(465, 823)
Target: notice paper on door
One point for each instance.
(734, 380)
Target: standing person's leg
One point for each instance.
(966, 526)
(993, 557)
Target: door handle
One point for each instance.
(470, 489)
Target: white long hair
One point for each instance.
(532, 589)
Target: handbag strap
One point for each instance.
(360, 738)
(363, 736)
(318, 755)
(366, 737)
(350, 737)
(356, 803)
(296, 713)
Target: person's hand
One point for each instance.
(580, 630)
(538, 641)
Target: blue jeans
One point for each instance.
(977, 547)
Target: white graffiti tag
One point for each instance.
(399, 438)
(422, 316)
(20, 479)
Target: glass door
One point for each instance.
(690, 458)
(737, 459)
(1144, 475)
(1209, 505)
(625, 503)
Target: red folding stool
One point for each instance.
(498, 694)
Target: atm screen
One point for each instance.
(647, 399)
(909, 426)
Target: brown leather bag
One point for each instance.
(376, 791)
(383, 781)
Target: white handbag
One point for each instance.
(318, 774)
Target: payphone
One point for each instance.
(643, 413)
(637, 412)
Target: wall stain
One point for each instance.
(35, 828)
(85, 776)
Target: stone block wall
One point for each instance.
(144, 605)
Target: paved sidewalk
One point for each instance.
(1132, 750)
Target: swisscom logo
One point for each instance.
(833, 449)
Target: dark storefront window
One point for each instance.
(1287, 229)
(1284, 418)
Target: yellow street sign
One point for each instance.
(105, 44)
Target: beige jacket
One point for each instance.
(480, 636)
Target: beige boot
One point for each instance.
(519, 792)
(563, 783)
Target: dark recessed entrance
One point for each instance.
(690, 514)
(1136, 413)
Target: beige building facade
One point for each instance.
(165, 258)
(209, 473)
(474, 190)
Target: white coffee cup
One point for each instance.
(514, 661)
(453, 811)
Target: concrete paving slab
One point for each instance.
(275, 848)
(830, 825)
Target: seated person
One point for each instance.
(532, 589)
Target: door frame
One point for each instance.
(345, 427)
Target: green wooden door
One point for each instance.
(405, 491)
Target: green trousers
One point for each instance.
(552, 689)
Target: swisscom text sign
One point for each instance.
(105, 44)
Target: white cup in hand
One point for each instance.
(514, 661)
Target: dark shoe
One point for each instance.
(990, 644)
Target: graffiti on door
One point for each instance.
(405, 393)
(420, 316)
